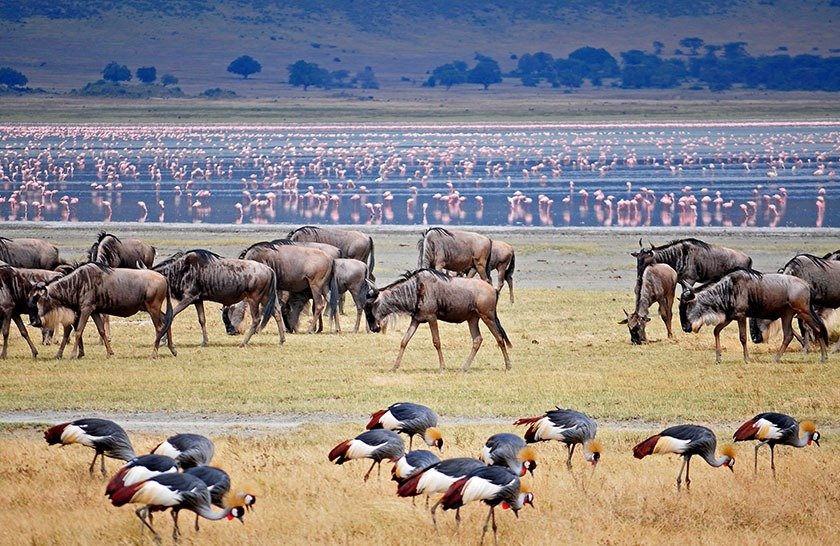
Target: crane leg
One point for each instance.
(370, 470)
(196, 523)
(434, 508)
(755, 460)
(93, 463)
(493, 514)
(176, 532)
(410, 441)
(457, 519)
(687, 479)
(486, 525)
(773, 460)
(679, 476)
(102, 465)
(142, 512)
(571, 449)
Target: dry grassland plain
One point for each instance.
(274, 412)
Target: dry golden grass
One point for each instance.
(303, 499)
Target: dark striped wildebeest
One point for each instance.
(428, 296)
(456, 251)
(503, 261)
(199, 275)
(746, 293)
(114, 252)
(693, 260)
(822, 277)
(31, 253)
(14, 301)
(95, 289)
(297, 269)
(351, 243)
(659, 284)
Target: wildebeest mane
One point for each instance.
(168, 261)
(261, 244)
(102, 234)
(283, 242)
(204, 256)
(688, 240)
(309, 230)
(409, 274)
(426, 246)
(794, 265)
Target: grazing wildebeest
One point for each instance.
(428, 296)
(693, 260)
(823, 278)
(93, 289)
(659, 284)
(129, 253)
(457, 251)
(503, 261)
(350, 276)
(199, 275)
(14, 298)
(297, 269)
(31, 253)
(746, 293)
(351, 243)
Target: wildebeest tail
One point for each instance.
(268, 308)
(487, 268)
(511, 266)
(371, 259)
(333, 302)
(502, 330)
(168, 315)
(815, 315)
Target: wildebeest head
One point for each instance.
(233, 316)
(371, 308)
(687, 306)
(45, 312)
(636, 324)
(759, 329)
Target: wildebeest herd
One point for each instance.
(269, 279)
(806, 288)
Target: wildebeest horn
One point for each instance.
(640, 243)
(651, 244)
(627, 318)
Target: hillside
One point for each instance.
(63, 44)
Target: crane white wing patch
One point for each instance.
(433, 481)
(767, 430)
(478, 488)
(667, 444)
(360, 450)
(167, 449)
(156, 494)
(388, 421)
(74, 434)
(548, 430)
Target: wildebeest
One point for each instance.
(297, 269)
(693, 260)
(350, 276)
(351, 243)
(93, 289)
(31, 253)
(503, 261)
(199, 275)
(823, 278)
(746, 293)
(330, 250)
(457, 251)
(659, 284)
(14, 298)
(832, 256)
(114, 252)
(428, 296)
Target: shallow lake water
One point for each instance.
(774, 175)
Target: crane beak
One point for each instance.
(817, 442)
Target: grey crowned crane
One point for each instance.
(438, 478)
(106, 437)
(140, 469)
(175, 491)
(493, 485)
(687, 440)
(505, 449)
(218, 483)
(411, 463)
(188, 449)
(567, 426)
(412, 419)
(774, 429)
(377, 444)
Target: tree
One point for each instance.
(115, 72)
(366, 79)
(450, 74)
(598, 63)
(146, 74)
(486, 72)
(734, 50)
(302, 73)
(12, 78)
(168, 79)
(657, 47)
(244, 66)
(692, 43)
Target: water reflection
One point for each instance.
(598, 175)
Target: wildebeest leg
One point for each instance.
(99, 321)
(281, 326)
(406, 338)
(817, 327)
(500, 340)
(202, 321)
(718, 328)
(742, 336)
(254, 306)
(318, 304)
(787, 335)
(24, 333)
(335, 321)
(66, 335)
(157, 321)
(475, 333)
(481, 267)
(80, 330)
(433, 326)
(666, 312)
(7, 319)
